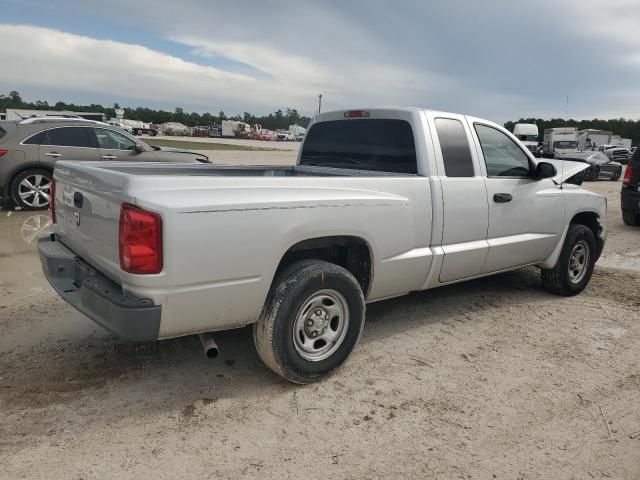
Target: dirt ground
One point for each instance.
(490, 379)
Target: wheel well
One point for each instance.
(590, 219)
(351, 253)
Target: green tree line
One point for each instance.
(272, 121)
(619, 126)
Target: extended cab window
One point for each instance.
(501, 155)
(69, 137)
(455, 148)
(382, 145)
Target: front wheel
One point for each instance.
(574, 267)
(311, 321)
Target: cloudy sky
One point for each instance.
(501, 59)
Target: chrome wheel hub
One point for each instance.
(35, 190)
(578, 261)
(321, 325)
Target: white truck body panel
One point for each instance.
(589, 139)
(226, 229)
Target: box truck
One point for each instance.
(558, 141)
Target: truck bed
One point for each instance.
(260, 211)
(238, 171)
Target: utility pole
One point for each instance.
(319, 102)
(566, 110)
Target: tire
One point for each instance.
(282, 333)
(562, 279)
(615, 178)
(629, 217)
(593, 174)
(21, 185)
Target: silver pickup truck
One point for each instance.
(381, 202)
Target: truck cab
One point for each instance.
(528, 134)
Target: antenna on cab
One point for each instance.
(566, 119)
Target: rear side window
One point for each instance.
(34, 139)
(2, 132)
(69, 137)
(382, 145)
(455, 148)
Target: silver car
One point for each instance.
(30, 148)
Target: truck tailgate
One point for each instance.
(87, 208)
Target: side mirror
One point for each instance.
(138, 148)
(545, 170)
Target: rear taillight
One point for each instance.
(3, 152)
(356, 114)
(52, 201)
(626, 180)
(140, 240)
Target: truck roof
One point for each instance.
(386, 112)
(525, 129)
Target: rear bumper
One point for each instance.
(96, 296)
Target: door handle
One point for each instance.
(109, 157)
(53, 154)
(502, 198)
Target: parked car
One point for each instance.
(121, 125)
(285, 136)
(381, 203)
(630, 194)
(30, 148)
(618, 154)
(270, 136)
(601, 167)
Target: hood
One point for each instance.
(201, 156)
(566, 169)
(172, 150)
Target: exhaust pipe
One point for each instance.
(209, 344)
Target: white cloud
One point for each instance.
(485, 59)
(53, 59)
(58, 60)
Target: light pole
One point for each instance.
(319, 102)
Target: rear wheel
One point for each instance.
(629, 217)
(573, 270)
(31, 189)
(311, 322)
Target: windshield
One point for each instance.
(565, 144)
(383, 145)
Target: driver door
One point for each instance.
(526, 216)
(120, 147)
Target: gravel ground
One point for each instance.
(493, 378)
